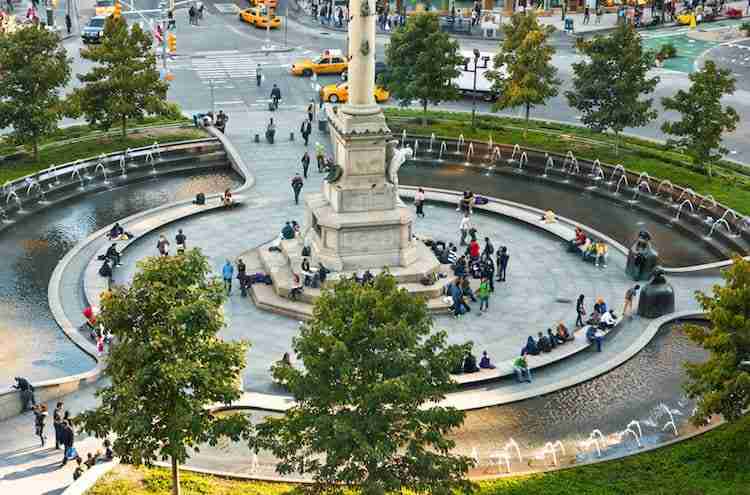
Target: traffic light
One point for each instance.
(118, 10)
(171, 43)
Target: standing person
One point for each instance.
(27, 393)
(627, 308)
(484, 295)
(258, 75)
(275, 96)
(305, 129)
(419, 202)
(191, 14)
(181, 240)
(305, 163)
(57, 423)
(586, 15)
(221, 121)
(68, 22)
(311, 110)
(580, 311)
(599, 13)
(464, 227)
(40, 419)
(227, 272)
(502, 263)
(297, 184)
(68, 439)
(488, 250)
(162, 245)
(320, 155)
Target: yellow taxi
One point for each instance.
(329, 62)
(105, 7)
(260, 18)
(268, 3)
(339, 93)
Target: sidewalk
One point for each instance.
(608, 21)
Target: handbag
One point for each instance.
(71, 453)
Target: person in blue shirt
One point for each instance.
(227, 273)
(530, 347)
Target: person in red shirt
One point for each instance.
(474, 249)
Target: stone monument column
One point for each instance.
(362, 52)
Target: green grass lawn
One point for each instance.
(56, 155)
(730, 184)
(716, 463)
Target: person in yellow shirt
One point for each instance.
(601, 254)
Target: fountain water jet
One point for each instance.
(460, 143)
(679, 208)
(516, 150)
(671, 420)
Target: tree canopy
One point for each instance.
(34, 68)
(722, 383)
(523, 74)
(366, 413)
(167, 364)
(422, 62)
(609, 86)
(704, 119)
(124, 82)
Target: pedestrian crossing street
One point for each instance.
(229, 65)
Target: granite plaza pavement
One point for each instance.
(540, 273)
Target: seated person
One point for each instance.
(113, 255)
(287, 231)
(553, 338)
(543, 343)
(296, 228)
(296, 289)
(608, 320)
(322, 273)
(485, 363)
(585, 248)
(308, 274)
(108, 453)
(530, 348)
(106, 270)
(466, 289)
(470, 363)
(594, 318)
(589, 250)
(600, 306)
(579, 238)
(549, 217)
(594, 335)
(521, 369)
(78, 472)
(116, 231)
(601, 254)
(226, 199)
(563, 333)
(458, 368)
(88, 313)
(91, 459)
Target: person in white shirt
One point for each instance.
(608, 319)
(464, 227)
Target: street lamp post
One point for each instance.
(474, 91)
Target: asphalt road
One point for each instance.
(217, 60)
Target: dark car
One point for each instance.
(380, 68)
(94, 30)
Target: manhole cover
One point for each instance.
(227, 8)
(325, 33)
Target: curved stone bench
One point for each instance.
(94, 284)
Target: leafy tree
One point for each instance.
(722, 383)
(365, 413)
(124, 84)
(167, 364)
(422, 62)
(704, 119)
(608, 87)
(34, 68)
(525, 76)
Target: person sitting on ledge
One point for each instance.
(562, 333)
(549, 217)
(485, 363)
(108, 453)
(106, 270)
(521, 369)
(367, 277)
(287, 231)
(530, 347)
(543, 343)
(553, 339)
(226, 199)
(116, 232)
(296, 291)
(608, 320)
(600, 257)
(470, 363)
(113, 255)
(322, 273)
(579, 238)
(88, 313)
(594, 335)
